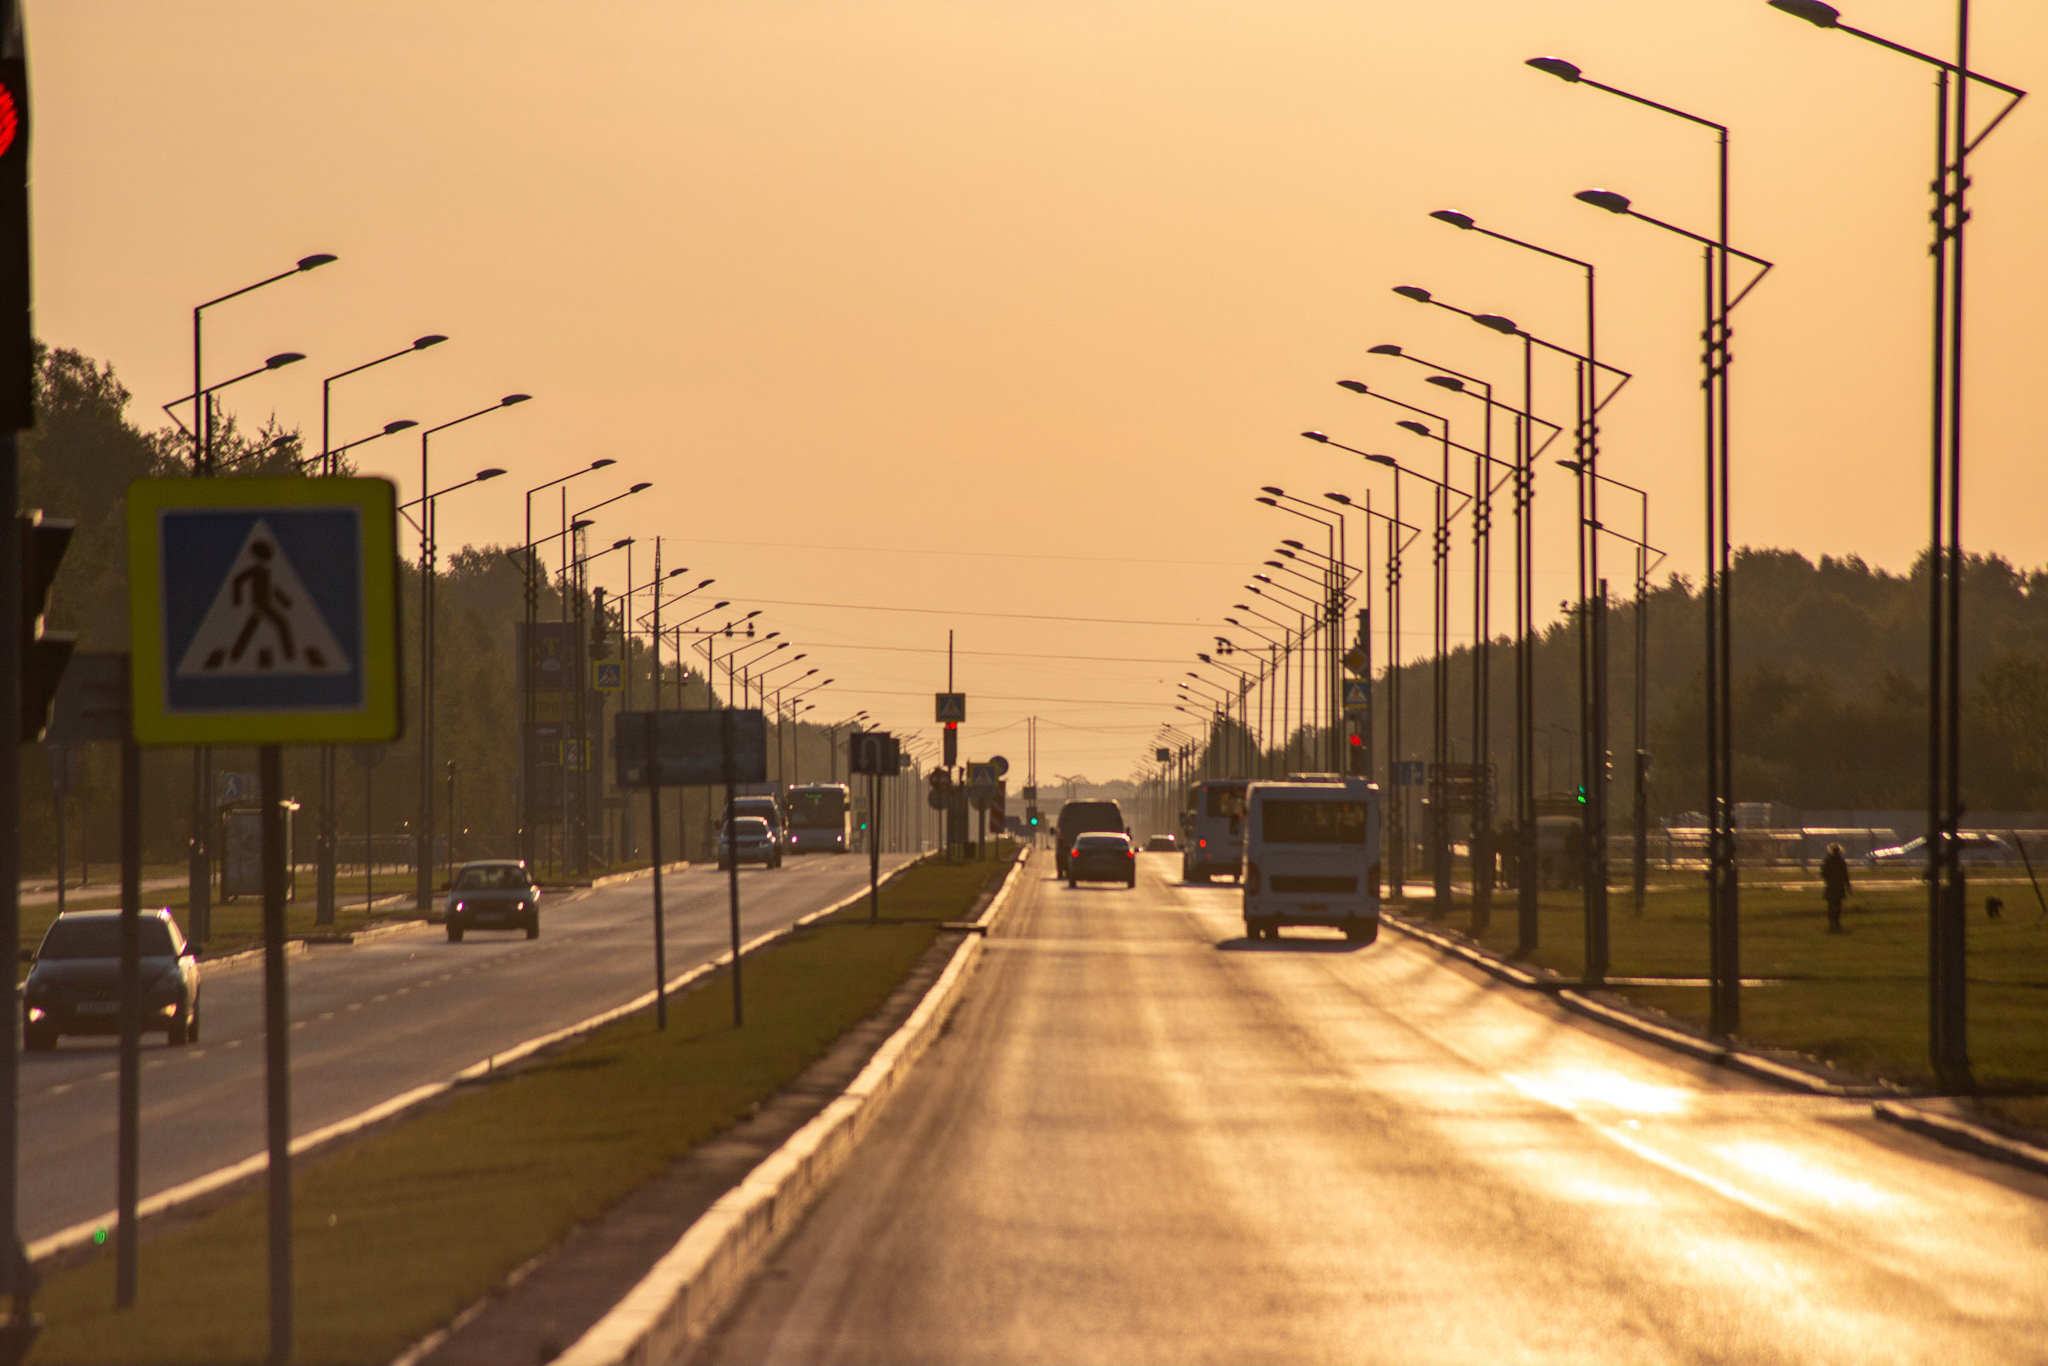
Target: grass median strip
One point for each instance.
(1858, 999)
(397, 1233)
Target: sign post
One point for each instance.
(877, 754)
(265, 612)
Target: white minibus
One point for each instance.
(1312, 857)
(1212, 830)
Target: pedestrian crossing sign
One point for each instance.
(1357, 695)
(263, 611)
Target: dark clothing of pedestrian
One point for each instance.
(1834, 883)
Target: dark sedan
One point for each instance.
(493, 894)
(74, 981)
(1102, 856)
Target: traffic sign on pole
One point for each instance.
(1357, 695)
(951, 706)
(263, 611)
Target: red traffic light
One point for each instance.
(10, 120)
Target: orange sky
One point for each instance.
(1009, 306)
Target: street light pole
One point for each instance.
(423, 835)
(1948, 1043)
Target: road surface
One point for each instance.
(375, 1019)
(1144, 1138)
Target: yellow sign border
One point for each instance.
(379, 718)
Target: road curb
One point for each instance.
(77, 1234)
(1962, 1134)
(1572, 997)
(664, 1316)
(613, 879)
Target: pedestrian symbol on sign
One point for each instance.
(262, 621)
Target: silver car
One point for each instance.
(748, 839)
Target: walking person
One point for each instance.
(1834, 885)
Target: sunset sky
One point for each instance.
(993, 307)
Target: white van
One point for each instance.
(1312, 857)
(1212, 829)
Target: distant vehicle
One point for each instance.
(1312, 857)
(1077, 818)
(1162, 844)
(1214, 825)
(492, 894)
(762, 805)
(748, 839)
(1978, 847)
(74, 979)
(820, 818)
(1102, 856)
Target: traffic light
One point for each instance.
(1031, 816)
(1582, 794)
(597, 623)
(17, 359)
(952, 743)
(44, 653)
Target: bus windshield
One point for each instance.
(1312, 822)
(817, 807)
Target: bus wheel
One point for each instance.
(1362, 934)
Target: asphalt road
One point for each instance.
(1144, 1138)
(375, 1019)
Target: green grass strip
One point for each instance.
(396, 1234)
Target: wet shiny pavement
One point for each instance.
(1144, 1138)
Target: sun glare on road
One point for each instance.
(1579, 1090)
(1794, 1172)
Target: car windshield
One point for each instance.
(748, 828)
(99, 936)
(491, 877)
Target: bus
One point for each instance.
(1212, 829)
(1312, 857)
(820, 818)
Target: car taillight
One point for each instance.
(1202, 843)
(1131, 852)
(1251, 877)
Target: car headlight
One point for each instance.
(459, 906)
(34, 1013)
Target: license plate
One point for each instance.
(98, 1007)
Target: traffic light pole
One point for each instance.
(18, 1280)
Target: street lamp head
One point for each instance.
(1383, 349)
(1268, 488)
(582, 522)
(492, 473)
(1264, 578)
(638, 487)
(1603, 199)
(403, 424)
(511, 399)
(1446, 382)
(1555, 66)
(601, 462)
(431, 339)
(1241, 607)
(717, 606)
(1295, 544)
(1505, 326)
(317, 260)
(1575, 466)
(1386, 460)
(1343, 498)
(1454, 218)
(1409, 424)
(1414, 292)
(282, 359)
(751, 615)
(706, 584)
(1355, 386)
(1204, 658)
(1812, 11)
(1269, 502)
(1316, 436)
(616, 545)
